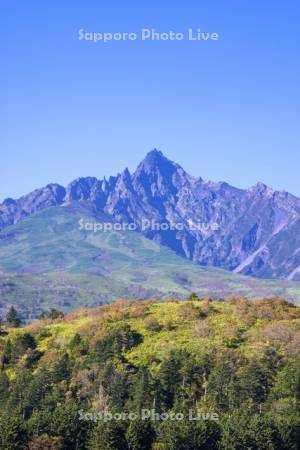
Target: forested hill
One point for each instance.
(82, 381)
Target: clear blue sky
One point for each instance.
(226, 110)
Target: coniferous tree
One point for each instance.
(12, 318)
(66, 423)
(243, 429)
(62, 369)
(7, 352)
(189, 435)
(12, 432)
(55, 314)
(170, 379)
(193, 297)
(142, 391)
(140, 435)
(4, 386)
(108, 436)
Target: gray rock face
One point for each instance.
(254, 232)
(12, 211)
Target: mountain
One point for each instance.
(47, 261)
(254, 232)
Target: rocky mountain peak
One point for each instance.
(254, 231)
(156, 161)
(9, 202)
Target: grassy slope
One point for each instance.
(47, 261)
(247, 326)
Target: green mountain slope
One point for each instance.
(46, 260)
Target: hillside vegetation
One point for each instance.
(47, 261)
(235, 363)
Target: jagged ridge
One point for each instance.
(257, 233)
